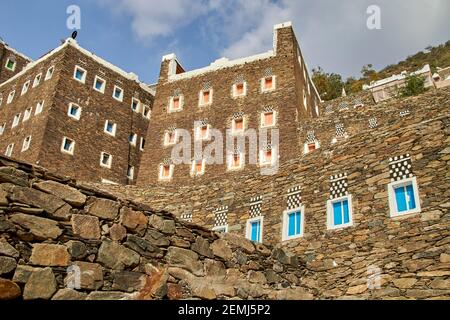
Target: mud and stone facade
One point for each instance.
(11, 62)
(45, 104)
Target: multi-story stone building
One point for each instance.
(272, 91)
(11, 62)
(74, 113)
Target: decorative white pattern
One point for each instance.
(294, 198)
(373, 123)
(400, 168)
(338, 186)
(221, 216)
(255, 207)
(186, 217)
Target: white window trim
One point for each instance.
(134, 141)
(49, 73)
(330, 214)
(171, 109)
(83, 78)
(102, 89)
(37, 80)
(109, 164)
(248, 228)
(25, 145)
(194, 173)
(25, 87)
(220, 228)
(200, 97)
(392, 200)
(262, 157)
(78, 115)
(114, 128)
(274, 84)
(138, 105)
(14, 65)
(2, 128)
(141, 147)
(10, 97)
(149, 114)
(306, 149)
(275, 116)
(9, 150)
(39, 107)
(121, 93)
(166, 139)
(67, 151)
(198, 131)
(171, 169)
(241, 162)
(233, 127)
(106, 181)
(27, 114)
(285, 228)
(16, 120)
(305, 99)
(131, 177)
(235, 94)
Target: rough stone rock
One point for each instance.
(87, 227)
(357, 289)
(214, 268)
(185, 259)
(14, 176)
(293, 294)
(117, 232)
(70, 195)
(239, 242)
(3, 199)
(257, 277)
(36, 198)
(174, 291)
(221, 249)
(156, 238)
(437, 273)
(50, 255)
(7, 265)
(143, 247)
(9, 290)
(108, 295)
(155, 285)
(440, 284)
(64, 213)
(134, 221)
(404, 283)
(8, 250)
(202, 247)
(128, 281)
(415, 265)
(69, 294)
(41, 285)
(431, 215)
(90, 276)
(116, 256)
(284, 257)
(5, 225)
(103, 208)
(40, 227)
(160, 224)
(444, 258)
(77, 249)
(23, 273)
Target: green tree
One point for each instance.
(414, 85)
(329, 84)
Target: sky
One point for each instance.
(135, 34)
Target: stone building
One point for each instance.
(74, 113)
(271, 91)
(11, 62)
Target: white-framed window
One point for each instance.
(205, 97)
(99, 84)
(254, 229)
(221, 229)
(79, 74)
(67, 146)
(170, 138)
(293, 223)
(25, 87)
(10, 97)
(176, 103)
(339, 213)
(49, 73)
(305, 100)
(110, 128)
(130, 172)
(26, 144)
(311, 146)
(198, 167)
(146, 111)
(74, 111)
(2, 128)
(142, 144)
(10, 64)
(166, 171)
(27, 114)
(135, 105)
(118, 93)
(236, 161)
(239, 89)
(9, 150)
(1, 99)
(238, 126)
(268, 83)
(267, 157)
(404, 197)
(16, 120)
(202, 132)
(132, 139)
(37, 80)
(39, 107)
(268, 119)
(105, 160)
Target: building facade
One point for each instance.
(76, 114)
(11, 62)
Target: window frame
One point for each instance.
(103, 87)
(39, 107)
(161, 169)
(25, 87)
(16, 120)
(9, 150)
(241, 162)
(285, 228)
(262, 156)
(234, 90)
(2, 128)
(194, 172)
(27, 114)
(50, 70)
(130, 177)
(75, 117)
(330, 213)
(26, 146)
(134, 141)
(248, 230)
(14, 64)
(306, 147)
(393, 213)
(10, 98)
(149, 114)
(83, 78)
(114, 128)
(107, 165)
(275, 116)
(211, 95)
(63, 150)
(166, 138)
(138, 105)
(233, 126)
(120, 99)
(198, 133)
(37, 80)
(171, 103)
(263, 84)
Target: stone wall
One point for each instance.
(53, 229)
(7, 52)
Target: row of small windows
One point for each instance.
(99, 85)
(26, 116)
(25, 146)
(205, 98)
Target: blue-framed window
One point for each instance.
(293, 223)
(340, 212)
(404, 197)
(254, 229)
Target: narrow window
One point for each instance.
(49, 73)
(9, 150)
(198, 167)
(203, 132)
(142, 144)
(10, 97)
(135, 104)
(238, 126)
(25, 87)
(110, 128)
(206, 97)
(236, 161)
(2, 128)
(99, 84)
(16, 120)
(176, 103)
(39, 107)
(146, 112)
(404, 197)
(26, 143)
(268, 84)
(27, 114)
(239, 89)
(311, 146)
(166, 171)
(293, 223)
(266, 157)
(74, 111)
(170, 138)
(105, 160)
(254, 229)
(340, 212)
(37, 80)
(79, 74)
(10, 64)
(118, 93)
(130, 172)
(67, 146)
(132, 139)
(268, 119)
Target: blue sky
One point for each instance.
(134, 34)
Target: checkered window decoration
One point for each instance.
(239, 79)
(206, 86)
(400, 168)
(267, 147)
(343, 106)
(198, 156)
(329, 109)
(167, 161)
(136, 95)
(358, 102)
(338, 186)
(186, 217)
(177, 93)
(311, 137)
(404, 113)
(340, 131)
(238, 115)
(100, 71)
(255, 207)
(268, 72)
(172, 129)
(221, 216)
(373, 123)
(203, 122)
(268, 109)
(294, 198)
(237, 150)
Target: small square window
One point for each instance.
(404, 197)
(79, 74)
(2, 128)
(25, 87)
(239, 89)
(146, 112)
(105, 160)
(10, 97)
(254, 229)
(74, 111)
(110, 128)
(166, 171)
(9, 150)
(49, 73)
(135, 105)
(39, 107)
(67, 146)
(142, 144)
(202, 132)
(176, 104)
(170, 138)
(27, 114)
(16, 120)
(198, 167)
(238, 126)
(206, 97)
(130, 172)
(268, 119)
(339, 212)
(26, 143)
(310, 147)
(132, 139)
(99, 84)
(118, 93)
(293, 223)
(10, 64)
(37, 80)
(268, 84)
